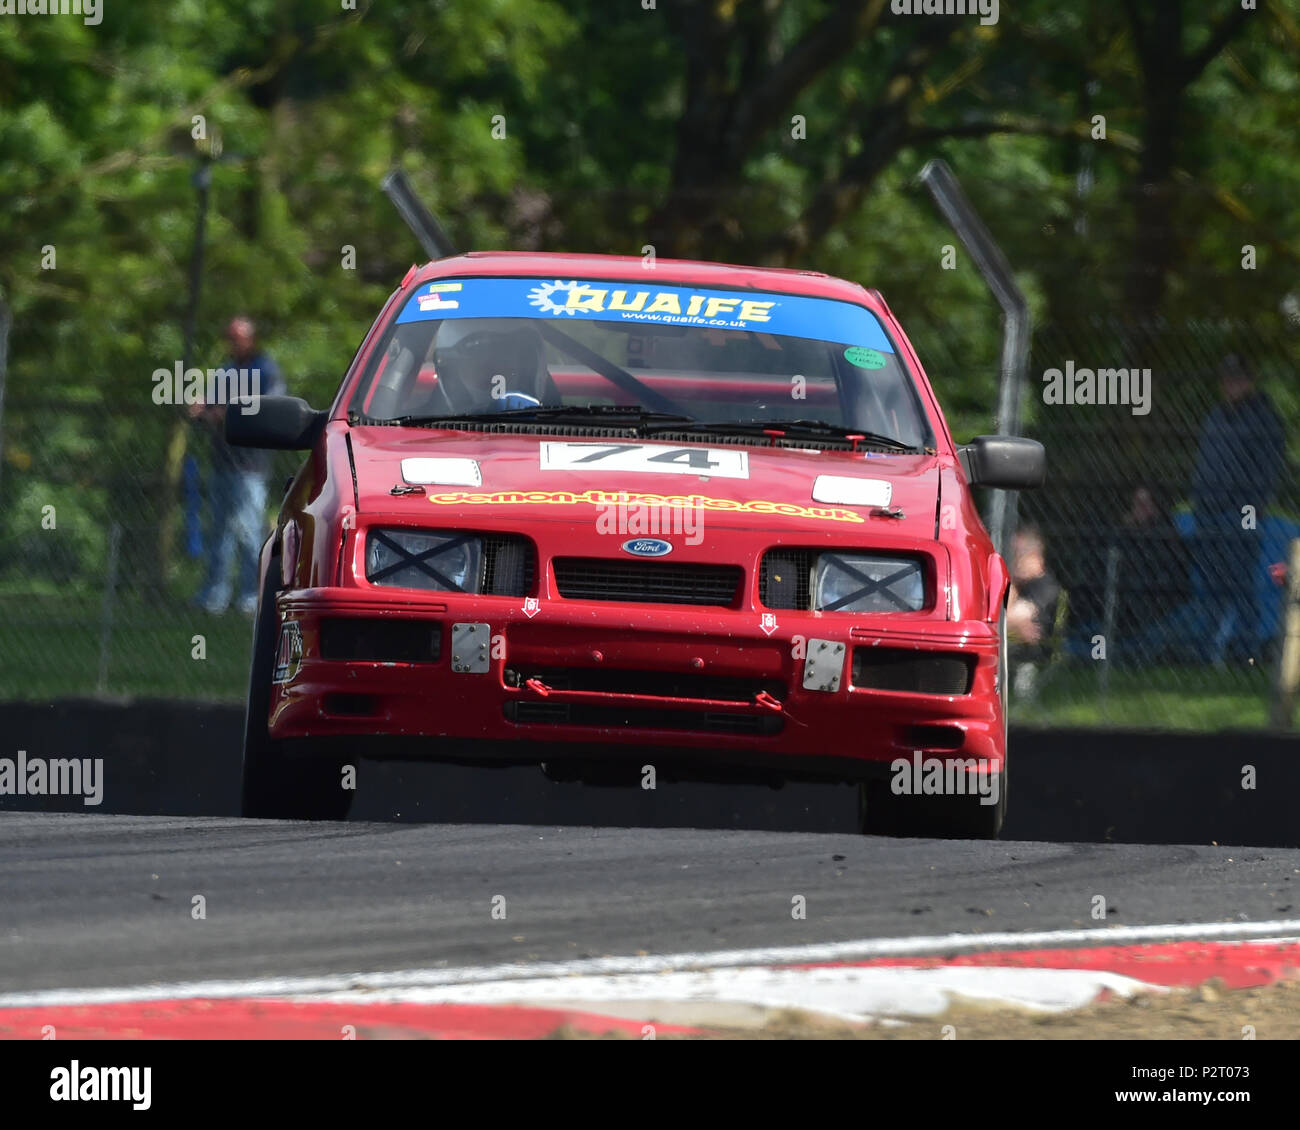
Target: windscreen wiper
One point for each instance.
(780, 428)
(599, 363)
(617, 415)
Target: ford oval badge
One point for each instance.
(648, 547)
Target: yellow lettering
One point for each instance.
(618, 300)
(755, 311)
(586, 298)
(601, 497)
(717, 305)
(665, 304)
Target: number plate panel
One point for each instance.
(651, 458)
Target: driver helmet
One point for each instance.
(488, 363)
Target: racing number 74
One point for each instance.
(697, 458)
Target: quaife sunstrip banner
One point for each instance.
(561, 300)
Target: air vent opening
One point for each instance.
(647, 582)
(912, 671)
(380, 640)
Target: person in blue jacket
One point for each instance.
(237, 484)
(1240, 459)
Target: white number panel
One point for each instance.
(655, 458)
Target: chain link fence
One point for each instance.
(1170, 512)
(1163, 545)
(103, 547)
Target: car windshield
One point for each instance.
(479, 346)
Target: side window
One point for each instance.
(384, 314)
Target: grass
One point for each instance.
(52, 648)
(1165, 698)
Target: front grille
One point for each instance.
(509, 565)
(642, 718)
(785, 579)
(647, 582)
(650, 684)
(917, 672)
(385, 640)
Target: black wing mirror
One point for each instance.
(1005, 462)
(281, 423)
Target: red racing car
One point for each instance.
(571, 511)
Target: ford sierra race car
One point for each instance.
(596, 515)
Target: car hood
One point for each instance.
(537, 477)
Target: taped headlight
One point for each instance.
(416, 559)
(857, 582)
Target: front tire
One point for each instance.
(882, 813)
(275, 784)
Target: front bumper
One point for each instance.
(705, 684)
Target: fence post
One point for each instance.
(4, 366)
(1287, 688)
(1108, 624)
(992, 264)
(106, 609)
(435, 241)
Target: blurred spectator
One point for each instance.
(1240, 458)
(1031, 609)
(1153, 576)
(237, 483)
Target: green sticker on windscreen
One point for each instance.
(864, 358)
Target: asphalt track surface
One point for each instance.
(106, 900)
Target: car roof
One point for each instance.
(618, 268)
